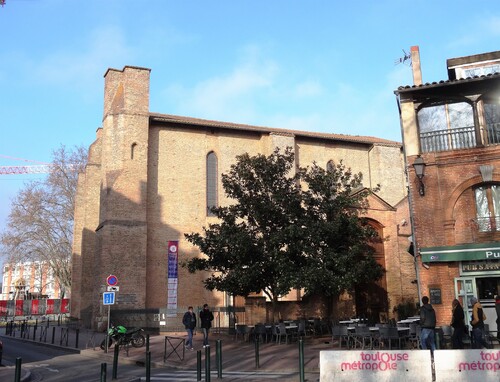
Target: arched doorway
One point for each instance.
(371, 298)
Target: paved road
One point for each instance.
(190, 375)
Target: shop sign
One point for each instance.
(463, 252)
(481, 266)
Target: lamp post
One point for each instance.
(419, 167)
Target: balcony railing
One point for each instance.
(451, 139)
(456, 139)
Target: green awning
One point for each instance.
(463, 252)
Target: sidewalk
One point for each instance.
(237, 355)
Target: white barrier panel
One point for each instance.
(379, 366)
(467, 365)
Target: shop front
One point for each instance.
(479, 274)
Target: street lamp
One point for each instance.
(419, 166)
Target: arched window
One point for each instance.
(487, 197)
(211, 183)
(330, 166)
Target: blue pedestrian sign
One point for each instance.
(108, 298)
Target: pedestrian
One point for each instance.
(206, 318)
(497, 308)
(427, 324)
(477, 323)
(458, 325)
(189, 321)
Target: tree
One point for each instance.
(40, 223)
(286, 230)
(249, 251)
(339, 241)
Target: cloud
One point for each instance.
(85, 63)
(227, 96)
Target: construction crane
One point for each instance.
(17, 170)
(40, 168)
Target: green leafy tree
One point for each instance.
(278, 236)
(339, 240)
(250, 249)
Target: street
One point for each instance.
(51, 364)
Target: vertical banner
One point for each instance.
(19, 307)
(50, 306)
(34, 306)
(65, 305)
(173, 247)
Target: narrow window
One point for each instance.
(211, 183)
(132, 150)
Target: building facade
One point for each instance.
(451, 137)
(149, 180)
(29, 280)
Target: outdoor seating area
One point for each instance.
(283, 332)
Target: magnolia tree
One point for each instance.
(287, 229)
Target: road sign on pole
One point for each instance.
(112, 280)
(108, 298)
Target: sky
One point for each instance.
(316, 65)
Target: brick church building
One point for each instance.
(149, 180)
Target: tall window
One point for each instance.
(488, 207)
(211, 183)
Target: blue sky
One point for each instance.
(325, 66)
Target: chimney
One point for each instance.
(415, 64)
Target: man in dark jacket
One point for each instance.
(497, 308)
(428, 324)
(458, 324)
(189, 321)
(206, 318)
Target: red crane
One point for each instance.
(40, 168)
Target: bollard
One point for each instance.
(77, 337)
(198, 365)
(17, 376)
(207, 363)
(437, 340)
(257, 360)
(103, 372)
(301, 360)
(115, 361)
(148, 366)
(34, 331)
(218, 358)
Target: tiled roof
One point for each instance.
(430, 85)
(156, 117)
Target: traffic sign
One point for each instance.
(113, 288)
(112, 280)
(108, 298)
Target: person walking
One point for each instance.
(206, 318)
(458, 325)
(189, 321)
(477, 323)
(428, 324)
